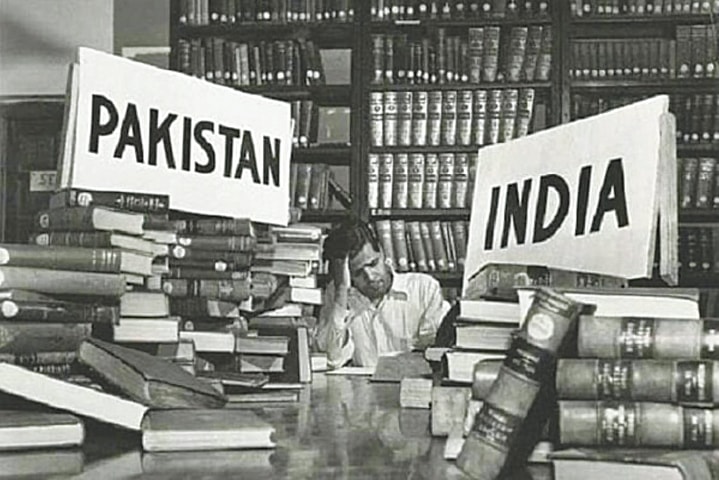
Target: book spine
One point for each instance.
(636, 424)
(103, 260)
(636, 337)
(376, 119)
(479, 116)
(705, 182)
(243, 243)
(216, 226)
(227, 290)
(475, 52)
(459, 230)
(516, 53)
(59, 312)
(534, 41)
(448, 125)
(136, 202)
(373, 168)
(685, 382)
(415, 238)
(688, 181)
(494, 115)
(490, 59)
(684, 51)
(400, 181)
(419, 117)
(236, 258)
(445, 184)
(438, 247)
(404, 118)
(39, 358)
(508, 114)
(386, 173)
(27, 338)
(525, 108)
(527, 367)
(62, 282)
(434, 117)
(431, 180)
(399, 245)
(384, 235)
(544, 61)
(191, 273)
(464, 117)
(389, 119)
(415, 185)
(318, 182)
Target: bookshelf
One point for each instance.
(614, 56)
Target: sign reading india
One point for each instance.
(216, 151)
(581, 196)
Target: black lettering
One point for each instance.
(161, 133)
(515, 212)
(230, 134)
(542, 233)
(130, 135)
(186, 143)
(201, 127)
(492, 220)
(613, 184)
(585, 175)
(247, 157)
(271, 161)
(100, 102)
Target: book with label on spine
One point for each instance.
(438, 246)
(544, 60)
(417, 246)
(448, 124)
(448, 241)
(215, 226)
(404, 118)
(494, 116)
(431, 180)
(434, 117)
(445, 183)
(89, 218)
(464, 117)
(534, 42)
(426, 235)
(525, 107)
(386, 176)
(399, 245)
(516, 53)
(389, 118)
(475, 53)
(459, 230)
(383, 228)
(479, 116)
(419, 117)
(508, 114)
(97, 239)
(135, 202)
(415, 187)
(490, 57)
(57, 311)
(460, 179)
(233, 243)
(373, 167)
(228, 290)
(400, 180)
(302, 189)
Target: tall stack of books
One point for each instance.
(644, 379)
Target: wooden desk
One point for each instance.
(342, 428)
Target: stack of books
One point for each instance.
(639, 400)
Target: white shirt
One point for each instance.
(407, 317)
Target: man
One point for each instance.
(370, 310)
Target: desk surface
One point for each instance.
(342, 427)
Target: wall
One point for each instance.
(38, 40)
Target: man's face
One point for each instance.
(369, 273)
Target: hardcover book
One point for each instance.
(90, 218)
(147, 379)
(22, 430)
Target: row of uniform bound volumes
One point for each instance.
(113, 309)
(697, 115)
(418, 180)
(698, 186)
(698, 249)
(270, 63)
(449, 117)
(457, 9)
(589, 8)
(485, 54)
(209, 12)
(692, 54)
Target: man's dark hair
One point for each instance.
(349, 238)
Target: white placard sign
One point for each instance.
(213, 150)
(581, 196)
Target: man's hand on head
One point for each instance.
(340, 272)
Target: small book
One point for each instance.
(144, 304)
(135, 202)
(42, 463)
(148, 379)
(215, 342)
(176, 430)
(144, 329)
(90, 218)
(98, 239)
(64, 395)
(263, 344)
(62, 282)
(22, 430)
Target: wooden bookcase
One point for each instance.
(601, 84)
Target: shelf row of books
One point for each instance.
(457, 9)
(599, 8)
(449, 117)
(316, 124)
(486, 55)
(226, 62)
(698, 187)
(697, 115)
(698, 248)
(427, 246)
(419, 180)
(691, 55)
(228, 12)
